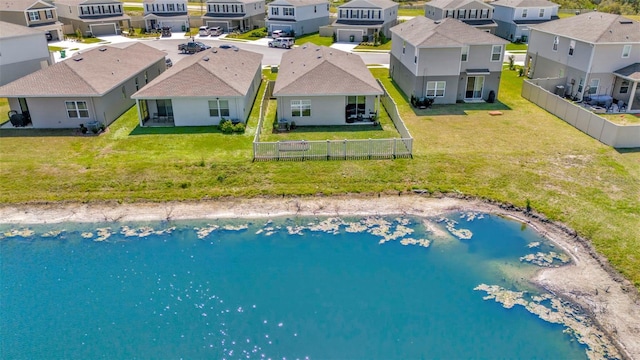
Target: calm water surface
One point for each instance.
(260, 292)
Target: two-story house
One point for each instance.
(93, 17)
(515, 16)
(160, 14)
(36, 14)
(597, 53)
(242, 15)
(297, 16)
(23, 50)
(446, 60)
(476, 13)
(360, 20)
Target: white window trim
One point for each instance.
(76, 109)
(436, 86)
(34, 16)
(300, 106)
(594, 88)
(464, 57)
(217, 107)
(572, 47)
(626, 51)
(556, 41)
(525, 13)
(498, 53)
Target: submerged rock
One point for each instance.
(546, 259)
(418, 242)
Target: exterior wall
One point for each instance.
(51, 113)
(541, 46)
(506, 30)
(15, 17)
(491, 83)
(437, 61)
(402, 76)
(22, 55)
(434, 13)
(299, 27)
(307, 19)
(162, 7)
(325, 110)
(406, 57)
(608, 57)
(41, 9)
(479, 57)
(176, 23)
(450, 91)
(195, 112)
(344, 34)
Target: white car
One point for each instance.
(277, 33)
(203, 31)
(282, 42)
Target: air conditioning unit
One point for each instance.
(560, 90)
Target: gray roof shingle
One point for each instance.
(524, 3)
(22, 5)
(9, 30)
(423, 32)
(369, 4)
(91, 73)
(213, 72)
(314, 70)
(630, 72)
(594, 27)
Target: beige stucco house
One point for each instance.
(36, 14)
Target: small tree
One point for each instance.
(512, 60)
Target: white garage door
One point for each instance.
(103, 29)
(345, 35)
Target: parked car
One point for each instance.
(215, 31)
(203, 46)
(191, 47)
(168, 62)
(277, 33)
(282, 42)
(48, 35)
(203, 31)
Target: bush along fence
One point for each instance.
(300, 150)
(605, 131)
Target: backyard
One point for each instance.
(524, 156)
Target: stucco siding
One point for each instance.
(438, 61)
(608, 57)
(51, 113)
(480, 58)
(328, 110)
(195, 112)
(450, 91)
(541, 44)
(14, 17)
(402, 76)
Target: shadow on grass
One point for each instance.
(451, 109)
(175, 130)
(30, 132)
(336, 129)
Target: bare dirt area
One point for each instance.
(588, 281)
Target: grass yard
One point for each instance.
(526, 154)
(411, 12)
(314, 38)
(514, 46)
(623, 119)
(56, 48)
(384, 46)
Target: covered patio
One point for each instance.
(626, 90)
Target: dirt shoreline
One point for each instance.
(589, 281)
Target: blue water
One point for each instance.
(238, 294)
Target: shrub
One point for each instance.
(226, 126)
(239, 128)
(260, 33)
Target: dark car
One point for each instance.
(48, 35)
(168, 62)
(203, 46)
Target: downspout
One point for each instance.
(588, 72)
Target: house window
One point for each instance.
(315, 9)
(275, 11)
(219, 108)
(626, 51)
(580, 85)
(48, 14)
(124, 92)
(524, 13)
(624, 87)
(171, 7)
(462, 13)
(435, 88)
(484, 13)
(356, 105)
(593, 86)
(572, 47)
(465, 53)
(77, 109)
(473, 14)
(496, 52)
(300, 108)
(288, 11)
(541, 13)
(404, 46)
(137, 85)
(146, 77)
(556, 40)
(34, 15)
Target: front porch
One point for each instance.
(626, 92)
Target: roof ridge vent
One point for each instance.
(77, 58)
(206, 58)
(103, 49)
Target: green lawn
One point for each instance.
(56, 48)
(524, 155)
(385, 46)
(86, 40)
(411, 12)
(314, 38)
(623, 119)
(514, 46)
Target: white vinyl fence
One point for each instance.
(607, 132)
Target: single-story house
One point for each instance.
(91, 86)
(203, 89)
(317, 85)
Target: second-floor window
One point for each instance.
(275, 11)
(465, 53)
(572, 47)
(34, 15)
(484, 14)
(288, 11)
(626, 51)
(462, 13)
(473, 14)
(48, 14)
(556, 40)
(524, 13)
(496, 52)
(541, 14)
(171, 7)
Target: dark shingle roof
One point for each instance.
(91, 73)
(631, 72)
(213, 72)
(318, 70)
(594, 27)
(423, 32)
